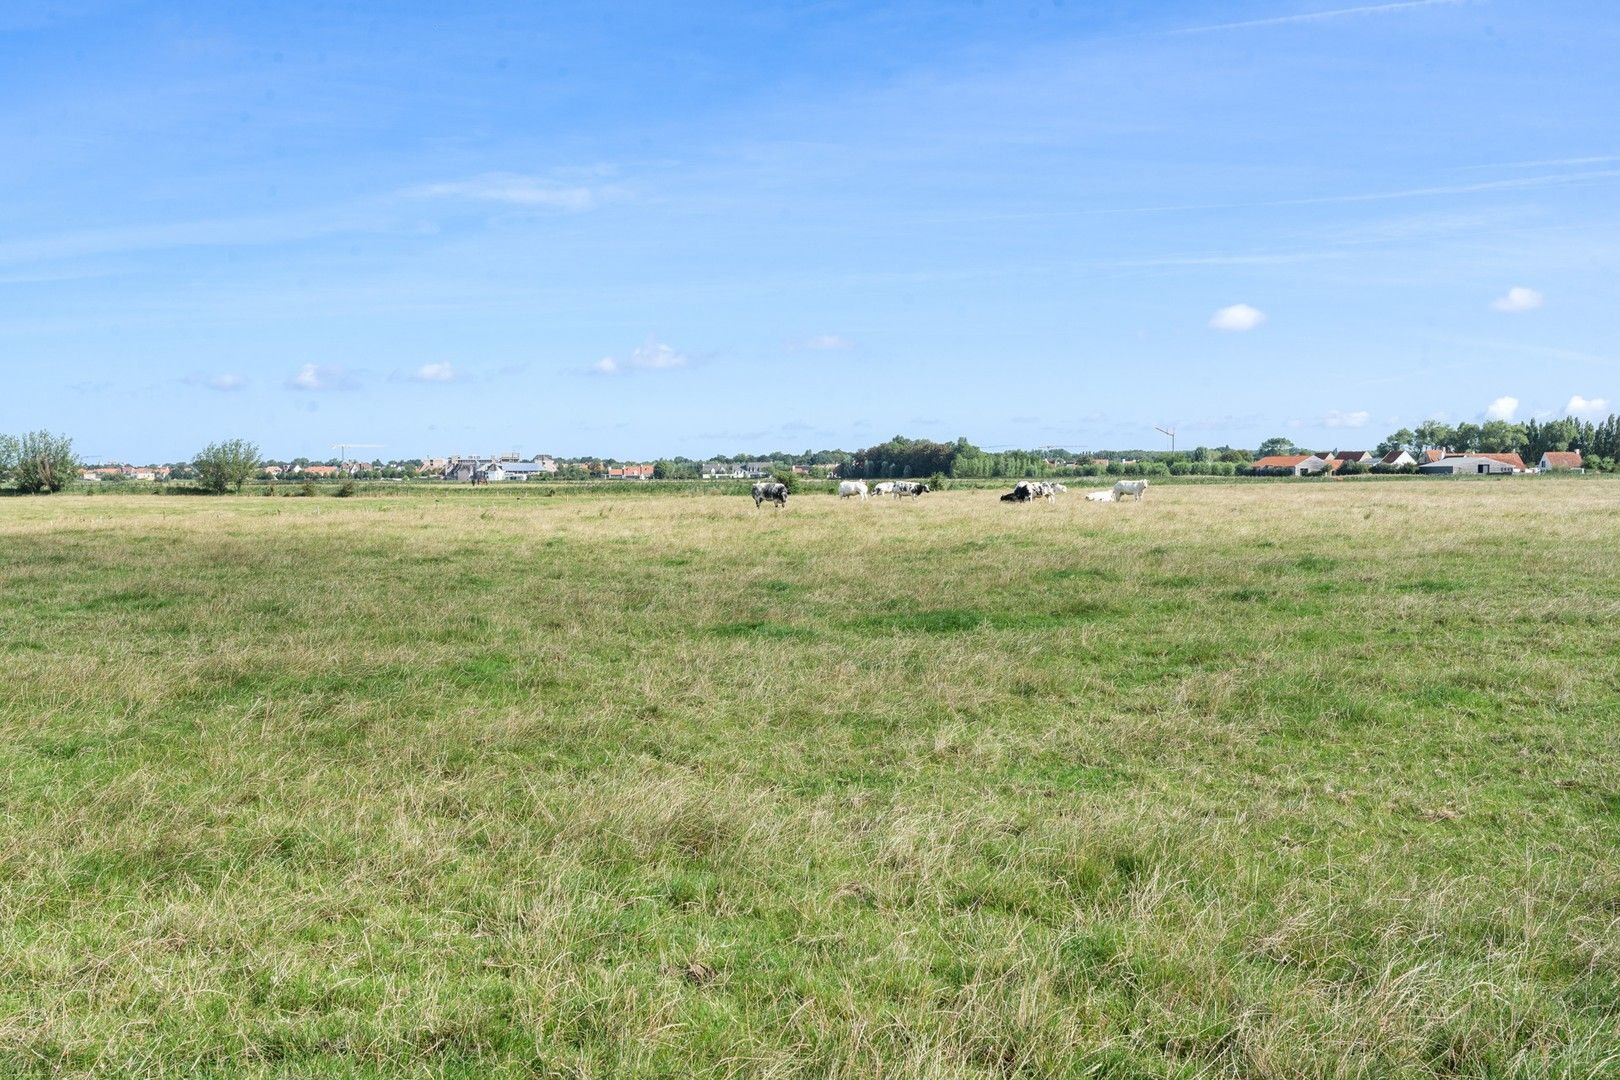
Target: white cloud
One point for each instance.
(1588, 408)
(826, 343)
(1337, 419)
(441, 372)
(656, 355)
(1503, 408)
(1517, 299)
(513, 189)
(320, 377)
(1238, 317)
(649, 356)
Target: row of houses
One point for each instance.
(750, 470)
(97, 473)
(507, 468)
(1436, 462)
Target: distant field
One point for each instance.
(1248, 780)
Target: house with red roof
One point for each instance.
(1298, 464)
(1562, 461)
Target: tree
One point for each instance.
(229, 464)
(1401, 440)
(1275, 446)
(1501, 437)
(1433, 433)
(8, 456)
(43, 461)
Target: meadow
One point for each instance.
(1265, 780)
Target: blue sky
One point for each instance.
(637, 230)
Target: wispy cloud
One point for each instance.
(824, 343)
(1540, 163)
(1237, 318)
(320, 377)
(651, 355)
(435, 373)
(1337, 419)
(1503, 408)
(219, 232)
(515, 189)
(225, 383)
(1518, 300)
(1321, 16)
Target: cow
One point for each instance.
(885, 488)
(1058, 489)
(902, 488)
(776, 493)
(1023, 491)
(1099, 496)
(1130, 487)
(852, 488)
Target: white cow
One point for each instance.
(855, 488)
(1099, 496)
(1130, 487)
(885, 488)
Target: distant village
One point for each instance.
(512, 467)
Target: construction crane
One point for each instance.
(1170, 432)
(345, 447)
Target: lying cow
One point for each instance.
(852, 489)
(776, 493)
(902, 488)
(1130, 487)
(1099, 496)
(1023, 491)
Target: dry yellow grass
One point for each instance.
(1245, 780)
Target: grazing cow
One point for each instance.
(776, 493)
(1058, 489)
(1130, 487)
(902, 488)
(1099, 496)
(885, 488)
(852, 488)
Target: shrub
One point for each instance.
(937, 482)
(787, 478)
(346, 489)
(227, 465)
(41, 462)
(308, 490)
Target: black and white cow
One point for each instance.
(770, 492)
(902, 488)
(1023, 491)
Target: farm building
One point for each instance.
(1298, 464)
(1466, 465)
(1562, 461)
(1397, 458)
(1362, 457)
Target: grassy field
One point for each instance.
(1243, 781)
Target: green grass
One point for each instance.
(1243, 781)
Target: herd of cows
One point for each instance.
(1024, 491)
